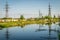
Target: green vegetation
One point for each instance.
(59, 36)
(22, 17)
(22, 21)
(47, 17)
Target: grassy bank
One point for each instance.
(21, 23)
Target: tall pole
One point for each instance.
(49, 14)
(6, 9)
(40, 15)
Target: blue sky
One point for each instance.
(29, 8)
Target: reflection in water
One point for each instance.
(7, 34)
(40, 29)
(31, 32)
(59, 19)
(59, 23)
(59, 28)
(49, 35)
(50, 30)
(22, 26)
(0, 28)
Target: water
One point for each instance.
(30, 32)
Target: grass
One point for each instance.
(21, 23)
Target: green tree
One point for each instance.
(22, 17)
(54, 16)
(47, 17)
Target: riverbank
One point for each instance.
(22, 22)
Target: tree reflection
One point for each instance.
(0, 28)
(22, 26)
(59, 28)
(59, 20)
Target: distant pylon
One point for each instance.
(49, 14)
(6, 9)
(40, 15)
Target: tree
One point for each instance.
(47, 17)
(22, 17)
(54, 16)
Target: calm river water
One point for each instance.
(31, 32)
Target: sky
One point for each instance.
(29, 8)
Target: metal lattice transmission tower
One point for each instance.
(6, 9)
(49, 14)
(40, 15)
